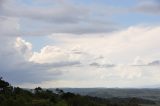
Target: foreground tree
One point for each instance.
(5, 87)
(16, 96)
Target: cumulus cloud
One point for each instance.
(104, 57)
(139, 62)
(82, 54)
(124, 45)
(34, 69)
(117, 48)
(96, 56)
(53, 54)
(23, 47)
(14, 55)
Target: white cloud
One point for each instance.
(120, 46)
(83, 53)
(54, 54)
(139, 61)
(121, 76)
(128, 72)
(23, 47)
(68, 62)
(14, 54)
(118, 49)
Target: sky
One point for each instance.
(80, 43)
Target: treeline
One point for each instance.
(15, 96)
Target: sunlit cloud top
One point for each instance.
(86, 43)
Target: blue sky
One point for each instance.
(49, 43)
(120, 18)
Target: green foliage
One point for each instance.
(61, 103)
(16, 96)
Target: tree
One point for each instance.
(38, 90)
(59, 91)
(3, 84)
(5, 87)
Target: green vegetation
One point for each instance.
(15, 96)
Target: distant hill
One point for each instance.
(15, 96)
(145, 93)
